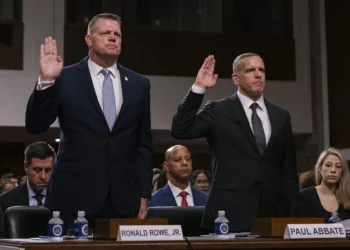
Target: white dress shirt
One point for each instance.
(97, 80)
(32, 201)
(261, 111)
(176, 192)
(247, 102)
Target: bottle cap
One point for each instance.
(221, 213)
(81, 213)
(56, 214)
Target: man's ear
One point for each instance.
(25, 167)
(88, 40)
(235, 79)
(165, 166)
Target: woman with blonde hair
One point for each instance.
(332, 190)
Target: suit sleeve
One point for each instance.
(290, 171)
(187, 123)
(42, 109)
(144, 148)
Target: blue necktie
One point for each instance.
(109, 108)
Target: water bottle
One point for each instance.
(221, 224)
(334, 218)
(56, 227)
(81, 226)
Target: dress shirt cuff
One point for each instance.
(198, 90)
(42, 85)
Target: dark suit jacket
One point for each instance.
(15, 197)
(94, 163)
(164, 197)
(239, 170)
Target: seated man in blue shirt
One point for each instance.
(178, 191)
(39, 158)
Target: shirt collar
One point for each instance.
(95, 69)
(31, 192)
(176, 191)
(247, 102)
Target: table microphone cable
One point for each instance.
(189, 245)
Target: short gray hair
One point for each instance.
(237, 64)
(109, 16)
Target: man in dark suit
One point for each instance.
(38, 162)
(105, 158)
(178, 191)
(254, 160)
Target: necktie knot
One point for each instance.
(254, 106)
(105, 72)
(39, 198)
(184, 203)
(183, 194)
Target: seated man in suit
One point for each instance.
(178, 191)
(38, 161)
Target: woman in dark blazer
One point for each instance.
(332, 190)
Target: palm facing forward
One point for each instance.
(50, 64)
(206, 77)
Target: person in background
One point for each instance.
(178, 191)
(13, 178)
(201, 180)
(156, 173)
(6, 185)
(23, 179)
(332, 190)
(38, 162)
(307, 179)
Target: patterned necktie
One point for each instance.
(258, 129)
(39, 198)
(109, 108)
(184, 203)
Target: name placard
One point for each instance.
(308, 231)
(149, 233)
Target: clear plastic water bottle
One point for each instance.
(334, 218)
(221, 224)
(56, 227)
(81, 226)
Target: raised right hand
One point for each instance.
(206, 77)
(50, 63)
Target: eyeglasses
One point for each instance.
(200, 182)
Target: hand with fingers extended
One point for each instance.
(206, 77)
(50, 63)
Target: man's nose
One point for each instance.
(42, 175)
(112, 37)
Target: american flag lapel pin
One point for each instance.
(126, 78)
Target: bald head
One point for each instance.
(170, 151)
(178, 165)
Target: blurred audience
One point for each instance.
(156, 173)
(13, 178)
(307, 179)
(201, 180)
(332, 190)
(23, 179)
(6, 185)
(178, 191)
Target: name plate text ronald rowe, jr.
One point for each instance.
(149, 233)
(310, 231)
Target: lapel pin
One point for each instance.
(126, 79)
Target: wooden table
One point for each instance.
(194, 243)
